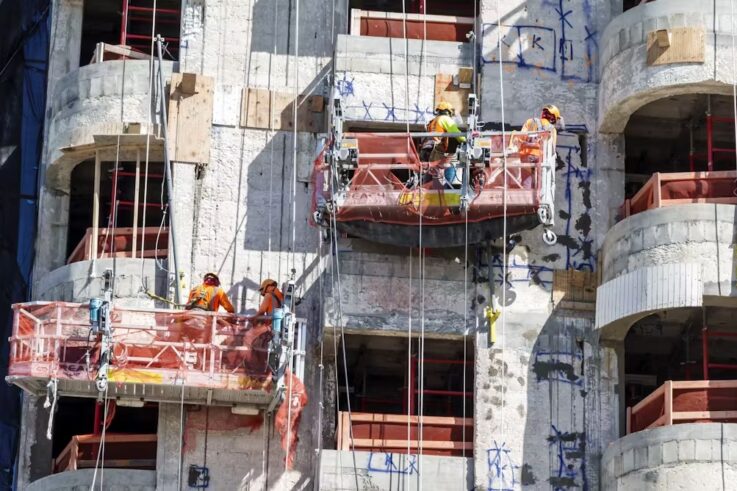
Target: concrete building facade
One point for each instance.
(593, 331)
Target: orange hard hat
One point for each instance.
(266, 283)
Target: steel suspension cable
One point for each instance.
(502, 370)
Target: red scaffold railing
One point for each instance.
(157, 353)
(381, 188)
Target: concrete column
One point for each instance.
(168, 445)
(34, 455)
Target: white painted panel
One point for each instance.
(659, 287)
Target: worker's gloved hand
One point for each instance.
(512, 149)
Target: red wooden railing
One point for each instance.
(121, 451)
(680, 188)
(118, 242)
(388, 433)
(677, 402)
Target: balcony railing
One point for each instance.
(680, 188)
(158, 354)
(122, 242)
(121, 451)
(388, 433)
(685, 402)
(417, 26)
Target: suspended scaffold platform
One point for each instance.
(159, 355)
(374, 186)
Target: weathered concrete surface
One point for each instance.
(627, 83)
(701, 234)
(118, 479)
(80, 281)
(678, 457)
(393, 472)
(377, 294)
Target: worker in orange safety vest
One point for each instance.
(273, 297)
(436, 147)
(530, 146)
(209, 296)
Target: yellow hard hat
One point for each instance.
(266, 283)
(552, 110)
(444, 106)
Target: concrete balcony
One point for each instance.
(82, 280)
(122, 479)
(693, 56)
(97, 99)
(663, 258)
(686, 456)
(393, 471)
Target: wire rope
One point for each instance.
(502, 370)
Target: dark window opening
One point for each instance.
(380, 374)
(76, 417)
(129, 23)
(630, 4)
(82, 193)
(672, 135)
(670, 345)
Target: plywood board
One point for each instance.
(266, 109)
(190, 117)
(574, 289)
(686, 45)
(454, 89)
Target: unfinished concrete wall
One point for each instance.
(684, 456)
(393, 472)
(546, 403)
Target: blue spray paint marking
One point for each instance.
(534, 272)
(535, 56)
(570, 451)
(385, 112)
(345, 86)
(502, 469)
(383, 462)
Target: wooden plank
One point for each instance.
(359, 443)
(446, 90)
(668, 406)
(686, 45)
(190, 118)
(711, 415)
(628, 422)
(647, 400)
(266, 109)
(401, 418)
(684, 201)
(704, 384)
(657, 191)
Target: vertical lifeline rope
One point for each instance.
(294, 211)
(410, 380)
(502, 370)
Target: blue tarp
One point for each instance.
(24, 46)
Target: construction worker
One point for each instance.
(529, 146)
(273, 297)
(209, 296)
(435, 147)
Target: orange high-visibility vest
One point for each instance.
(210, 298)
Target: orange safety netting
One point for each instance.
(287, 421)
(392, 185)
(150, 346)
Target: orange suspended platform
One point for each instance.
(158, 354)
(389, 194)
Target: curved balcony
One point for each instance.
(663, 258)
(128, 479)
(92, 102)
(686, 456)
(660, 49)
(79, 281)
